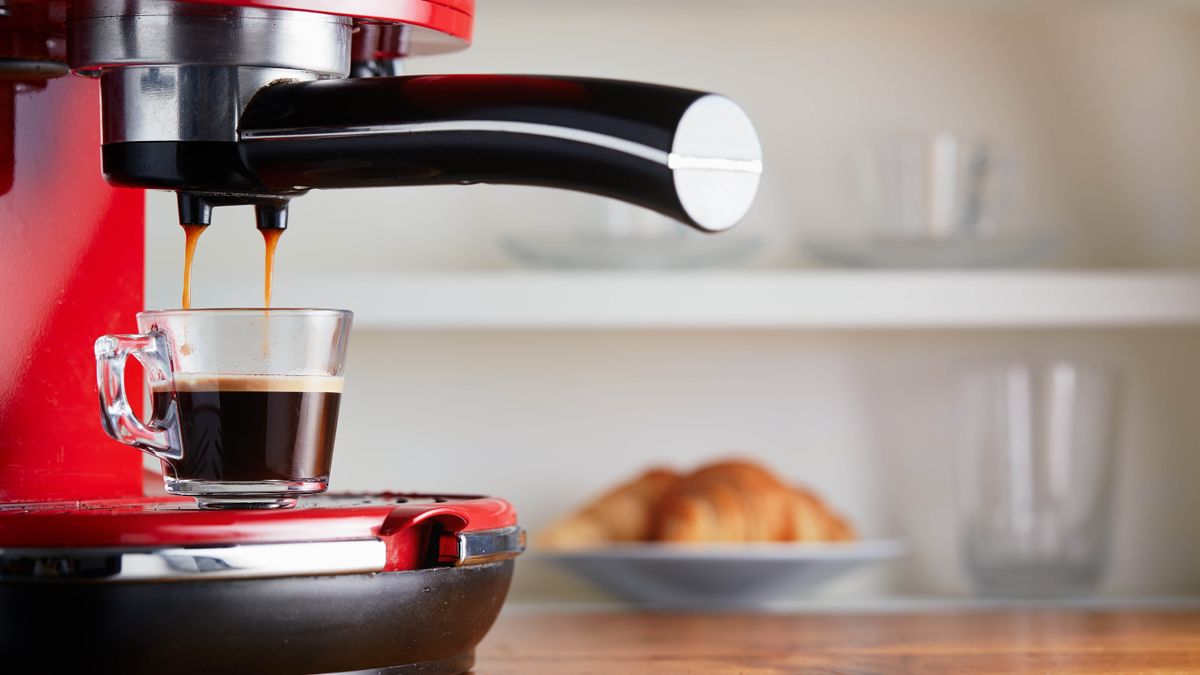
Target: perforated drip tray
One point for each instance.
(165, 503)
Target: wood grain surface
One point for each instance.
(1057, 641)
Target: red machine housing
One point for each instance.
(408, 525)
(402, 582)
(71, 269)
(72, 257)
(453, 18)
(72, 248)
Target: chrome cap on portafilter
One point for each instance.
(235, 105)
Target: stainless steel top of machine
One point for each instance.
(114, 33)
(184, 71)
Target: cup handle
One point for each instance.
(159, 436)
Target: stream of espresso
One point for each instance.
(192, 233)
(271, 237)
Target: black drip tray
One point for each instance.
(426, 621)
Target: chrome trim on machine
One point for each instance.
(237, 561)
(188, 562)
(476, 548)
(179, 71)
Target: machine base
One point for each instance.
(426, 621)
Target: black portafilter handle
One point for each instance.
(689, 155)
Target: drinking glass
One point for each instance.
(940, 186)
(936, 199)
(1035, 471)
(244, 401)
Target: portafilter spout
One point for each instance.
(245, 103)
(687, 154)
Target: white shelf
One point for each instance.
(741, 300)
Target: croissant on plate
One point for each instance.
(726, 501)
(623, 514)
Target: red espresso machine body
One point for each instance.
(71, 269)
(72, 252)
(341, 583)
(101, 99)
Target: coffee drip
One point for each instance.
(192, 237)
(271, 239)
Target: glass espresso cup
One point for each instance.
(244, 401)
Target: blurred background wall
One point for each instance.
(1095, 101)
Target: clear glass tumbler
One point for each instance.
(1035, 471)
(244, 401)
(939, 199)
(936, 187)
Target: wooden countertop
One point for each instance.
(949, 642)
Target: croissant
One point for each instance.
(740, 501)
(813, 520)
(728, 501)
(625, 513)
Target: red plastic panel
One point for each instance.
(451, 17)
(173, 521)
(441, 25)
(71, 269)
(406, 552)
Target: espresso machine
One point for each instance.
(255, 102)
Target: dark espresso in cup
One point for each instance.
(254, 427)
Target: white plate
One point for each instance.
(714, 576)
